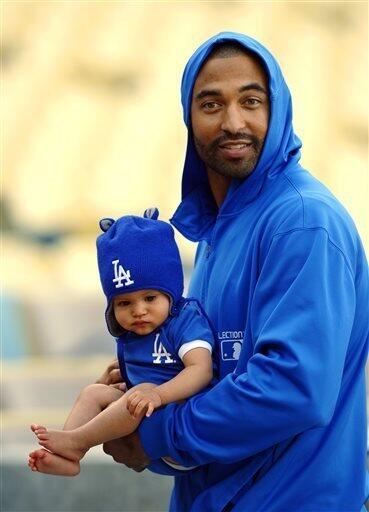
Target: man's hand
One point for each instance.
(112, 376)
(128, 450)
(143, 400)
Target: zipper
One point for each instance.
(204, 287)
(208, 251)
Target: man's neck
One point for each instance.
(219, 186)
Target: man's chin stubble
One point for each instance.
(232, 171)
(240, 169)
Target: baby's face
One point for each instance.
(141, 312)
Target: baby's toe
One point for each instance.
(36, 426)
(43, 436)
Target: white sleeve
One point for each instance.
(190, 345)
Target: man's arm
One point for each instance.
(129, 451)
(301, 319)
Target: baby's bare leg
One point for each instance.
(113, 422)
(91, 401)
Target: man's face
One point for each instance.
(230, 114)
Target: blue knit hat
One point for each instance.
(138, 253)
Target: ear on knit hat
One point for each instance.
(106, 223)
(151, 213)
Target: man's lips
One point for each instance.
(235, 149)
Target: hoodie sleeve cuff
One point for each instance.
(152, 435)
(161, 468)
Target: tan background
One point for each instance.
(92, 121)
(92, 127)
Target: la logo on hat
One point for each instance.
(121, 277)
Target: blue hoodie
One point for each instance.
(280, 269)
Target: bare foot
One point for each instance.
(35, 426)
(44, 461)
(60, 442)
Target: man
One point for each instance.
(279, 268)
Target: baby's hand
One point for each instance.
(143, 399)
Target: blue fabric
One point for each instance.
(280, 269)
(136, 253)
(154, 357)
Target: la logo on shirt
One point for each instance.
(161, 352)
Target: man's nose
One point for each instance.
(234, 119)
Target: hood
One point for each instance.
(198, 211)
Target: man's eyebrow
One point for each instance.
(254, 86)
(207, 92)
(217, 92)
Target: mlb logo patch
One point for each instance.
(231, 349)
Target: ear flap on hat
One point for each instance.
(151, 213)
(105, 224)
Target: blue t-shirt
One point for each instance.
(157, 357)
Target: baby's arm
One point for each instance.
(195, 376)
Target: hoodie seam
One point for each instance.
(331, 242)
(316, 227)
(300, 196)
(249, 203)
(237, 212)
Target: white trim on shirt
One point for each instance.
(190, 345)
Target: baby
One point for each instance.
(164, 343)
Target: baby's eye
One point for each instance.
(150, 298)
(123, 303)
